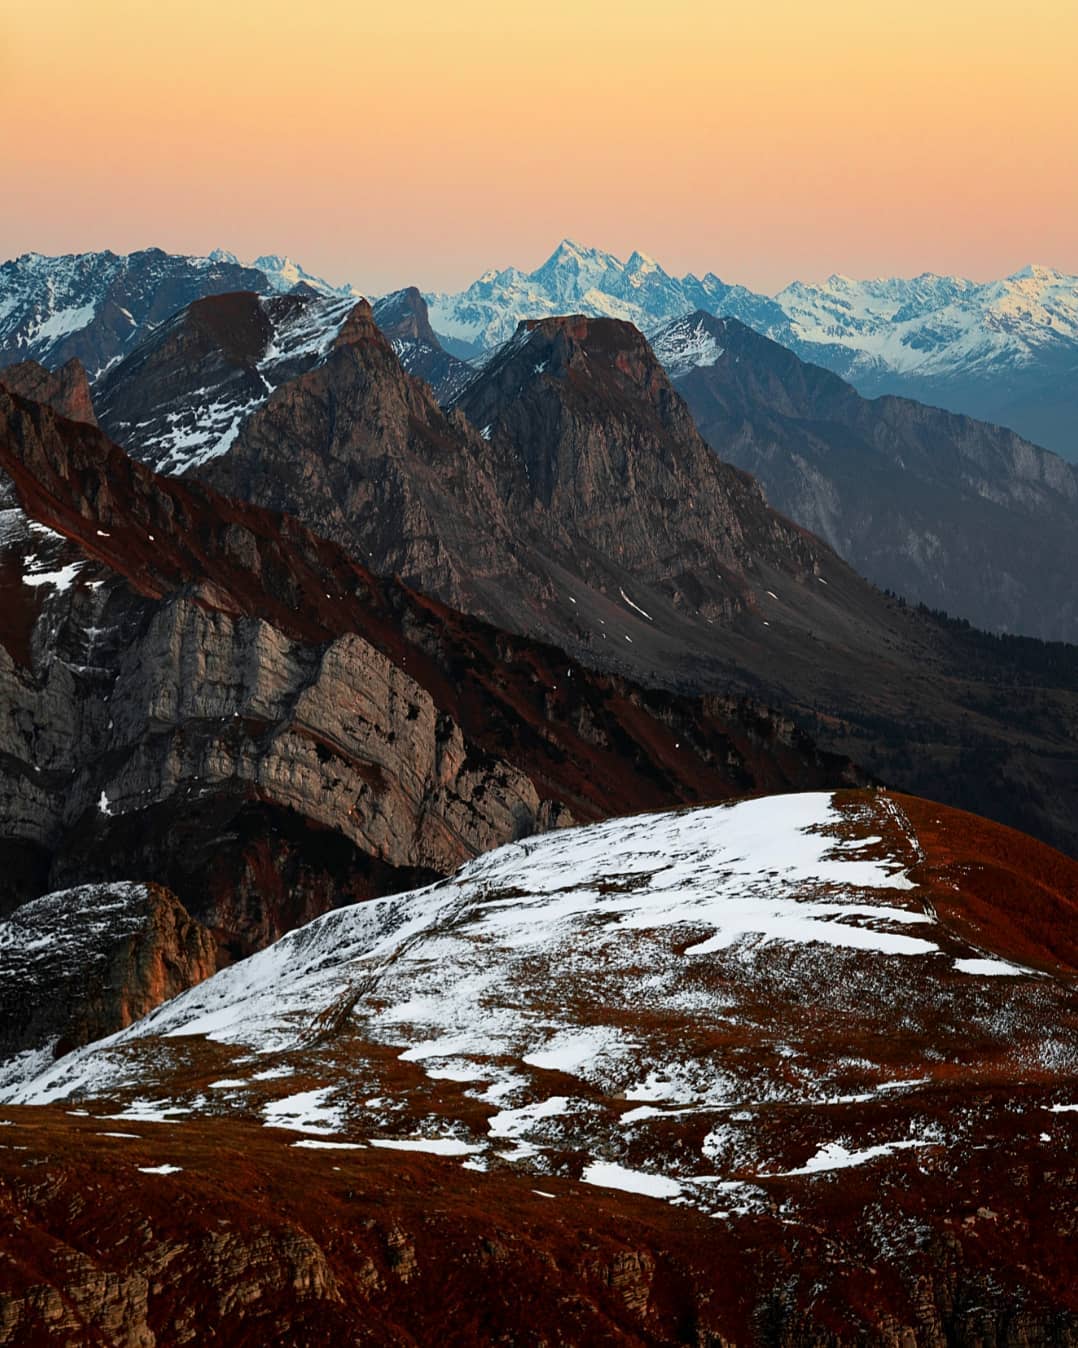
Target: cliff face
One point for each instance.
(205, 694)
(66, 389)
(80, 964)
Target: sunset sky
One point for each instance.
(422, 142)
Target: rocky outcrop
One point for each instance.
(403, 319)
(403, 314)
(606, 455)
(206, 694)
(955, 513)
(78, 965)
(181, 394)
(66, 390)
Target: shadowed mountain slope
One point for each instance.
(568, 495)
(963, 516)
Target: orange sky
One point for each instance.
(761, 140)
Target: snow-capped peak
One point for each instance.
(687, 343)
(284, 274)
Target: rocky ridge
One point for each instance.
(567, 494)
(67, 389)
(79, 965)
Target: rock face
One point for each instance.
(960, 515)
(403, 319)
(80, 964)
(584, 479)
(364, 455)
(568, 495)
(66, 390)
(178, 400)
(799, 1070)
(205, 693)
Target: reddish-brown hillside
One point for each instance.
(735, 1075)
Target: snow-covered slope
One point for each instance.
(686, 343)
(682, 1005)
(936, 325)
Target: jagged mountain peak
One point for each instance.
(403, 313)
(570, 253)
(359, 327)
(1036, 271)
(283, 274)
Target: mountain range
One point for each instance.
(458, 876)
(924, 503)
(1004, 351)
(963, 516)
